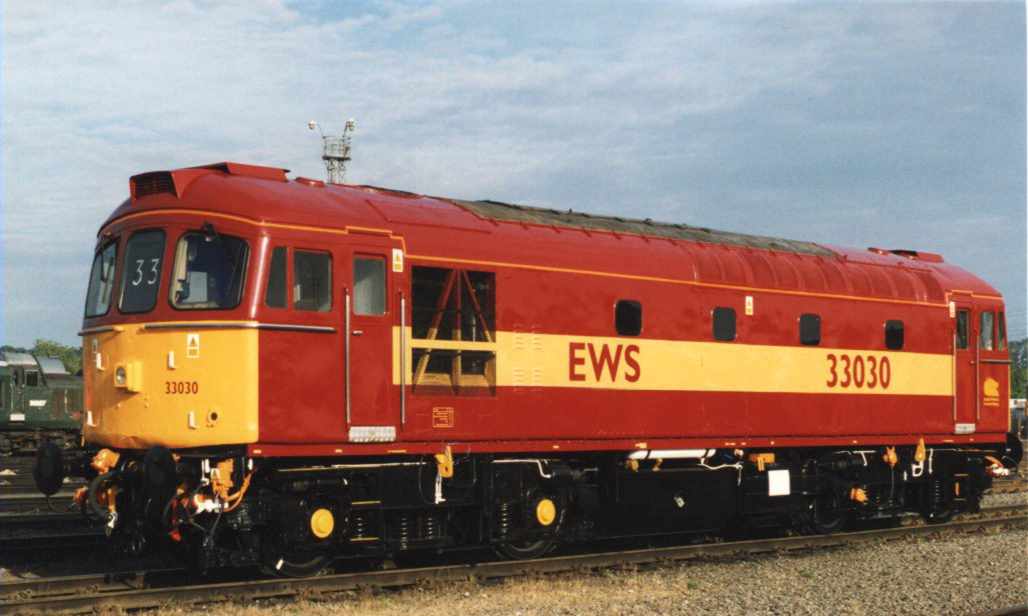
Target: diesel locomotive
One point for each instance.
(283, 372)
(39, 401)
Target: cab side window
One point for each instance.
(312, 281)
(275, 293)
(1001, 329)
(962, 320)
(369, 286)
(985, 338)
(31, 378)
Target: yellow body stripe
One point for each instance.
(526, 359)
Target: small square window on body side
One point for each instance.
(894, 335)
(810, 329)
(724, 323)
(628, 317)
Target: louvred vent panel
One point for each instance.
(153, 183)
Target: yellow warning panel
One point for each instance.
(172, 386)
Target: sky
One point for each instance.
(892, 125)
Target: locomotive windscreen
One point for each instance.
(101, 281)
(141, 275)
(209, 271)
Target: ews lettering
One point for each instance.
(599, 362)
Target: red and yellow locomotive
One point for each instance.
(285, 372)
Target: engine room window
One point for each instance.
(141, 271)
(31, 378)
(369, 286)
(101, 281)
(962, 329)
(724, 323)
(985, 339)
(209, 271)
(628, 317)
(312, 281)
(894, 335)
(810, 329)
(459, 307)
(275, 293)
(1001, 332)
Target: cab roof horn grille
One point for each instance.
(176, 182)
(152, 183)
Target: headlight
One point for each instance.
(119, 376)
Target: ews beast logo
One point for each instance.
(600, 362)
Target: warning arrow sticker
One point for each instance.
(193, 346)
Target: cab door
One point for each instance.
(965, 368)
(372, 309)
(992, 395)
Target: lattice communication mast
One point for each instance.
(335, 150)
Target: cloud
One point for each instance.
(829, 123)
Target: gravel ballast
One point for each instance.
(953, 574)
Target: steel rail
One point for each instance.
(1008, 486)
(11, 590)
(1014, 610)
(141, 598)
(29, 531)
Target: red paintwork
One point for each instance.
(301, 384)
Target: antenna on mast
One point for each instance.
(335, 150)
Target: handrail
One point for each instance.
(403, 359)
(346, 337)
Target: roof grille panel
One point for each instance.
(153, 183)
(507, 212)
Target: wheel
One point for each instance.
(295, 565)
(548, 516)
(282, 560)
(526, 549)
(825, 515)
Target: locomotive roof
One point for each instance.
(49, 365)
(176, 182)
(52, 365)
(14, 358)
(496, 210)
(537, 237)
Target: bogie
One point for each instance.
(294, 518)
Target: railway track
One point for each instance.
(140, 590)
(1009, 486)
(20, 532)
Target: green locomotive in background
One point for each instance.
(39, 401)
